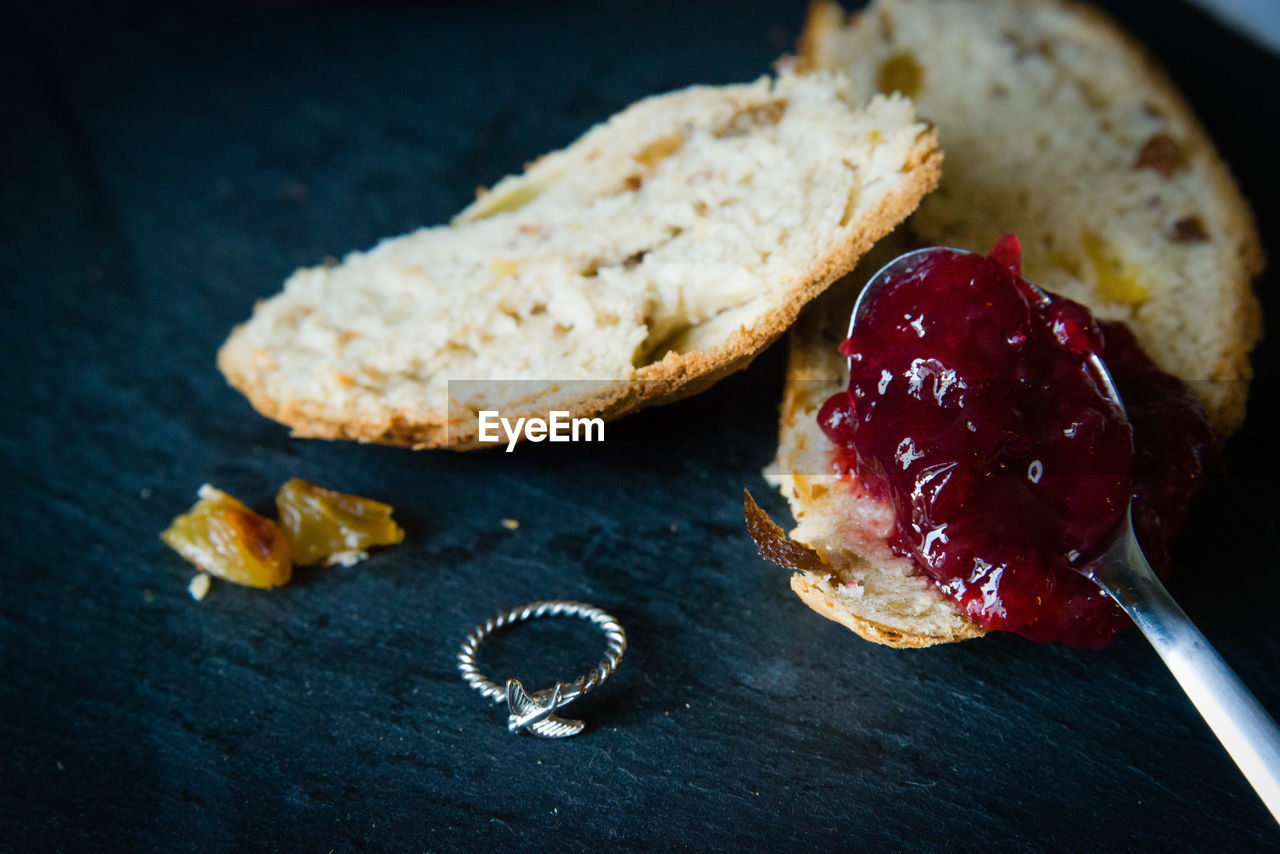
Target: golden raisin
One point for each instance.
(224, 538)
(504, 266)
(1115, 279)
(513, 200)
(746, 119)
(900, 73)
(660, 149)
(324, 525)
(1066, 261)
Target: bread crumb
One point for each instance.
(347, 558)
(510, 524)
(199, 586)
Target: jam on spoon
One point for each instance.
(976, 407)
(1014, 379)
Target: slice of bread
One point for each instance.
(659, 252)
(1059, 129)
(863, 584)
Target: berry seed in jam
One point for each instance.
(974, 410)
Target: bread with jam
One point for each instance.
(1121, 203)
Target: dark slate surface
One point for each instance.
(164, 165)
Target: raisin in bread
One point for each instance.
(1060, 129)
(660, 251)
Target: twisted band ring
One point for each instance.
(534, 712)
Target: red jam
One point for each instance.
(973, 409)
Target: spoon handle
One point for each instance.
(1235, 716)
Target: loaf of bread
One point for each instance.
(1059, 129)
(662, 250)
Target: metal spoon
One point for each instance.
(1235, 716)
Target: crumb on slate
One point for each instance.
(347, 558)
(199, 586)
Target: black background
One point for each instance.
(164, 165)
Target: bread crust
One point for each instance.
(815, 371)
(820, 595)
(664, 381)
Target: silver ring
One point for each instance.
(533, 712)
